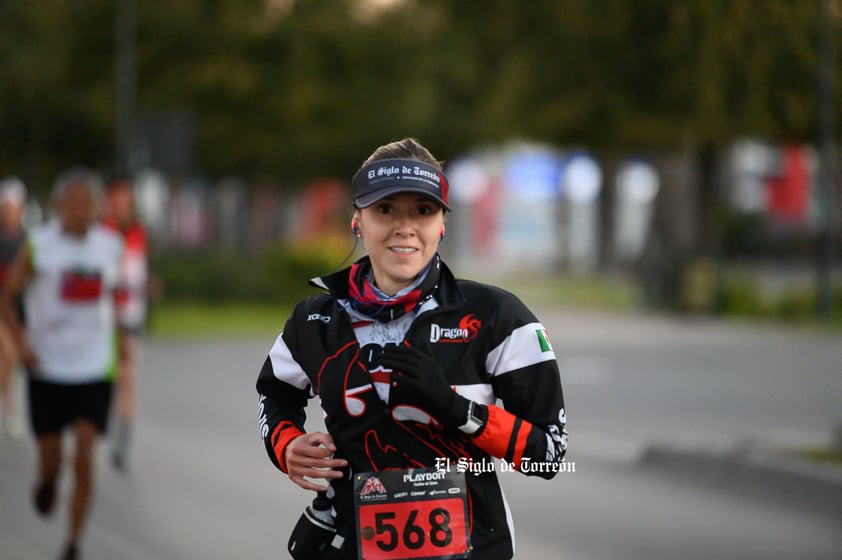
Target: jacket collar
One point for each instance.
(448, 293)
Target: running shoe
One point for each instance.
(119, 460)
(45, 497)
(120, 450)
(70, 553)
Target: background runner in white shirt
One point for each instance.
(67, 271)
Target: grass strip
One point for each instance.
(227, 320)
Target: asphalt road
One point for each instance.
(200, 486)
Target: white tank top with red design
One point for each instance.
(69, 303)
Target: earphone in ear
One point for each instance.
(441, 235)
(355, 228)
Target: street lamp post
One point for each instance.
(827, 167)
(125, 85)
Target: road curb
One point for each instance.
(773, 475)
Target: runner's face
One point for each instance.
(121, 204)
(401, 234)
(77, 209)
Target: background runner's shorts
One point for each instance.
(53, 406)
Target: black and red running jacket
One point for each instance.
(491, 348)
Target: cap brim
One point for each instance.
(370, 198)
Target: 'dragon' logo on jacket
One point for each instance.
(467, 330)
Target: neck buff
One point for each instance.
(369, 301)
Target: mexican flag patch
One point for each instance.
(544, 340)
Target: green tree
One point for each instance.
(55, 67)
(313, 89)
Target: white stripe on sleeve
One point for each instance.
(285, 367)
(481, 393)
(522, 348)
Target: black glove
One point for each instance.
(417, 379)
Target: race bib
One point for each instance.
(81, 287)
(411, 513)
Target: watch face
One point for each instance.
(473, 423)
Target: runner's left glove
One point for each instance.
(418, 380)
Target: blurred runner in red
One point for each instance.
(121, 216)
